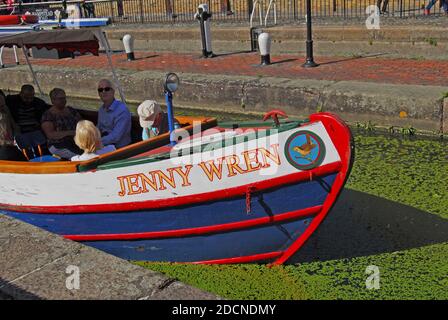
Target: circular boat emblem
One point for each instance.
(305, 150)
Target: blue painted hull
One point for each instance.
(83, 22)
(245, 242)
(221, 245)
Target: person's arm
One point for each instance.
(51, 133)
(14, 125)
(42, 107)
(122, 123)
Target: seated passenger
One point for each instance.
(26, 111)
(114, 118)
(14, 125)
(88, 138)
(59, 125)
(8, 151)
(153, 120)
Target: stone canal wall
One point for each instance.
(352, 100)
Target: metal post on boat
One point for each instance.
(25, 53)
(105, 44)
(170, 86)
(14, 48)
(20, 7)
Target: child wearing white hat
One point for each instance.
(152, 119)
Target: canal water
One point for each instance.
(395, 198)
(391, 201)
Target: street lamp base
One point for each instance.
(310, 64)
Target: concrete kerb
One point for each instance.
(353, 101)
(36, 264)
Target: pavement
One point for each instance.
(38, 265)
(375, 68)
(394, 76)
(358, 88)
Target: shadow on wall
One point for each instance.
(9, 291)
(361, 224)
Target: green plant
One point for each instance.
(392, 129)
(356, 55)
(431, 41)
(408, 130)
(368, 126)
(320, 108)
(243, 104)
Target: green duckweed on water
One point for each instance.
(412, 274)
(409, 171)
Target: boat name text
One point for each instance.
(230, 166)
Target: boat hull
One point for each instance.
(248, 213)
(6, 20)
(219, 230)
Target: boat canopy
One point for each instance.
(72, 40)
(83, 40)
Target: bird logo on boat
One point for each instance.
(305, 150)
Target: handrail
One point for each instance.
(173, 11)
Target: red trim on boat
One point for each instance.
(245, 259)
(182, 200)
(8, 20)
(12, 20)
(341, 137)
(312, 211)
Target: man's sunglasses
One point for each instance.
(107, 89)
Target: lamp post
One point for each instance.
(309, 63)
(171, 84)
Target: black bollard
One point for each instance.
(203, 16)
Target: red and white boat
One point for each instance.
(253, 192)
(10, 20)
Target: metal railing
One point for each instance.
(182, 11)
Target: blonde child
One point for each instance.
(88, 139)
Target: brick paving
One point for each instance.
(377, 69)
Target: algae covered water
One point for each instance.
(391, 221)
